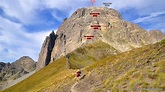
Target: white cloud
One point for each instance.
(148, 18)
(59, 18)
(22, 10)
(16, 42)
(67, 6)
(25, 10)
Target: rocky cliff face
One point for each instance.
(45, 54)
(105, 24)
(12, 71)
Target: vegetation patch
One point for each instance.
(129, 71)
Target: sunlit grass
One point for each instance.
(139, 68)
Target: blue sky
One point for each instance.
(24, 24)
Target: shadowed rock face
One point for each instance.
(120, 34)
(45, 54)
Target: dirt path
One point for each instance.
(86, 83)
(81, 86)
(73, 87)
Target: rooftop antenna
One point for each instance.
(93, 1)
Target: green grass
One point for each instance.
(142, 67)
(162, 42)
(133, 67)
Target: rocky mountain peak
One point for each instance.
(88, 25)
(26, 63)
(12, 71)
(83, 12)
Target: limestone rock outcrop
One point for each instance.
(46, 50)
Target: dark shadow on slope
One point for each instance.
(82, 77)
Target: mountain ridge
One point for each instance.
(12, 71)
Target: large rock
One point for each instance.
(45, 54)
(118, 33)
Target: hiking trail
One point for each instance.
(81, 86)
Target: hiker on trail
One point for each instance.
(78, 75)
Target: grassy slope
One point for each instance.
(139, 69)
(90, 54)
(56, 71)
(133, 70)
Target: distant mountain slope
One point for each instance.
(13, 82)
(109, 28)
(12, 71)
(129, 71)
